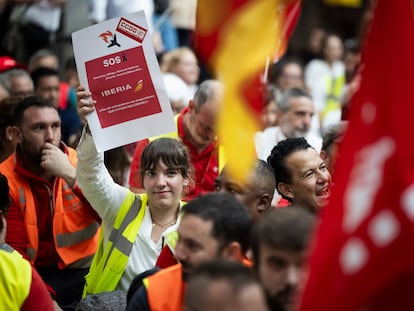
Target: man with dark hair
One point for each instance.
(279, 244)
(213, 226)
(256, 193)
(295, 114)
(50, 222)
(47, 86)
(223, 285)
(301, 175)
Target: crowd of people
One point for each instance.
(160, 224)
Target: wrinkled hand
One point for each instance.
(56, 163)
(85, 104)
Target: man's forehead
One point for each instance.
(303, 159)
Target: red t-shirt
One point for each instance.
(205, 163)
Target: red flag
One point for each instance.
(236, 38)
(363, 255)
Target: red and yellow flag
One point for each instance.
(236, 39)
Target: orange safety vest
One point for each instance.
(75, 232)
(165, 289)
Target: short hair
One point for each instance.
(22, 106)
(41, 72)
(231, 219)
(205, 92)
(287, 229)
(284, 103)
(276, 69)
(4, 194)
(170, 151)
(333, 133)
(41, 54)
(235, 274)
(277, 159)
(263, 171)
(16, 72)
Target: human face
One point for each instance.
(311, 181)
(291, 76)
(245, 193)
(202, 123)
(163, 186)
(48, 88)
(21, 87)
(296, 122)
(195, 243)
(187, 68)
(40, 125)
(333, 49)
(269, 115)
(279, 271)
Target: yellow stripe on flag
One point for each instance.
(247, 40)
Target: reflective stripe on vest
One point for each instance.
(72, 238)
(119, 242)
(110, 260)
(16, 273)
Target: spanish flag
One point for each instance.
(236, 38)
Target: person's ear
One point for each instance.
(285, 189)
(233, 251)
(191, 106)
(324, 155)
(15, 133)
(263, 202)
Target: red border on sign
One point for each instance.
(131, 30)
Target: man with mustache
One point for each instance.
(294, 115)
(279, 245)
(214, 226)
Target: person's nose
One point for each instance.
(323, 176)
(161, 180)
(293, 276)
(49, 134)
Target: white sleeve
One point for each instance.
(96, 183)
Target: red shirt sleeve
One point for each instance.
(16, 235)
(39, 298)
(134, 177)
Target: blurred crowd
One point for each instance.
(150, 225)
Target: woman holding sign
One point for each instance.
(134, 227)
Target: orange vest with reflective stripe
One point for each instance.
(75, 232)
(165, 289)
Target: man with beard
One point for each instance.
(214, 226)
(279, 245)
(50, 222)
(302, 177)
(295, 113)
